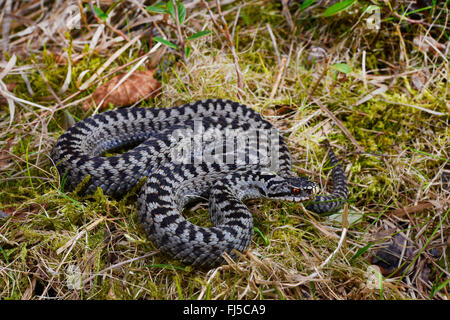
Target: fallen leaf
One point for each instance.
(22, 213)
(278, 110)
(418, 79)
(389, 250)
(139, 85)
(411, 209)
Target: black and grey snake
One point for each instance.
(244, 163)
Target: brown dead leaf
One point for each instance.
(392, 251)
(278, 110)
(411, 209)
(418, 79)
(22, 213)
(137, 86)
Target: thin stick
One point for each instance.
(318, 80)
(285, 12)
(120, 33)
(102, 272)
(359, 148)
(278, 79)
(274, 43)
(179, 34)
(341, 241)
(226, 32)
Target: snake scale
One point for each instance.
(212, 149)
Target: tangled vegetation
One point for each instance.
(371, 76)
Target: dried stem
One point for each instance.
(120, 33)
(226, 32)
(179, 34)
(330, 114)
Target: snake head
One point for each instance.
(292, 188)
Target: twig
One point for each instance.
(416, 21)
(327, 260)
(113, 57)
(120, 33)
(102, 272)
(71, 243)
(179, 34)
(226, 32)
(318, 80)
(411, 209)
(341, 241)
(278, 79)
(285, 12)
(274, 42)
(6, 25)
(359, 148)
(436, 113)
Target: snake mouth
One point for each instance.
(296, 194)
(306, 194)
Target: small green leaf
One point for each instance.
(199, 34)
(166, 42)
(99, 13)
(181, 12)
(156, 9)
(338, 7)
(187, 51)
(171, 9)
(306, 4)
(341, 67)
(361, 251)
(436, 288)
(265, 239)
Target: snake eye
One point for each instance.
(295, 190)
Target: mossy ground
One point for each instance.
(58, 244)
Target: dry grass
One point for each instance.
(394, 103)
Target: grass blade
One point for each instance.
(156, 9)
(198, 35)
(337, 7)
(166, 42)
(181, 12)
(307, 4)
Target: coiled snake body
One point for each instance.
(214, 149)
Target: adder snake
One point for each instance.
(215, 149)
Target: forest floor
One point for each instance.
(373, 79)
